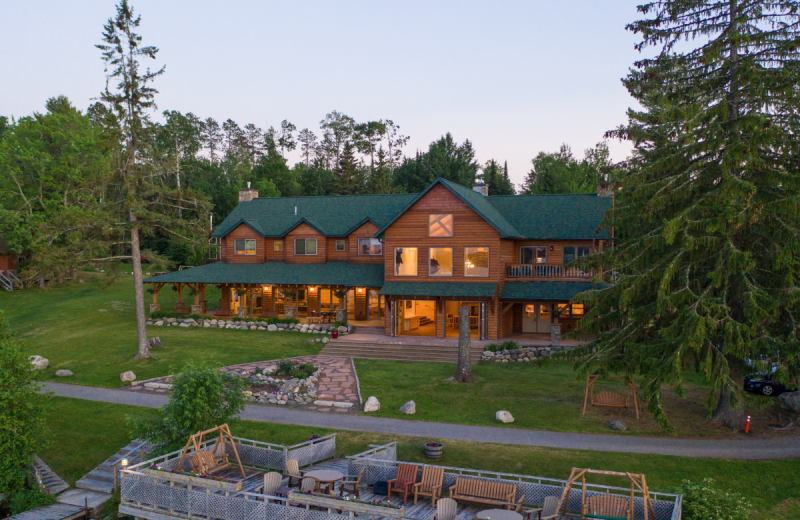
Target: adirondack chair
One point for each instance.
(607, 507)
(351, 486)
(309, 484)
(431, 485)
(272, 482)
(406, 477)
(446, 509)
(548, 511)
(293, 472)
(206, 463)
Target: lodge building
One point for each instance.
(406, 262)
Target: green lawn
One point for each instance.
(90, 329)
(88, 432)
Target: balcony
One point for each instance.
(547, 272)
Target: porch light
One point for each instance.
(311, 289)
(124, 462)
(360, 290)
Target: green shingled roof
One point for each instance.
(559, 291)
(565, 217)
(333, 216)
(332, 273)
(465, 290)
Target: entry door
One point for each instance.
(536, 318)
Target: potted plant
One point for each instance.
(433, 450)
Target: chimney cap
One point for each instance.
(480, 187)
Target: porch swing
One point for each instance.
(605, 506)
(609, 399)
(208, 462)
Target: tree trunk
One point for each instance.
(463, 371)
(724, 414)
(138, 292)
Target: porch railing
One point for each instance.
(381, 464)
(547, 271)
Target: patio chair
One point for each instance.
(446, 509)
(293, 472)
(351, 486)
(272, 483)
(548, 511)
(406, 477)
(309, 484)
(431, 484)
(206, 463)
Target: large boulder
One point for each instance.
(272, 327)
(504, 416)
(63, 373)
(372, 405)
(342, 329)
(790, 401)
(619, 426)
(127, 376)
(410, 408)
(38, 362)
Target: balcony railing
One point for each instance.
(547, 271)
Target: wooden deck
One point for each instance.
(53, 512)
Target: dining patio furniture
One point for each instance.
(272, 483)
(327, 478)
(309, 484)
(406, 478)
(446, 509)
(293, 472)
(498, 514)
(548, 511)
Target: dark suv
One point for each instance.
(764, 385)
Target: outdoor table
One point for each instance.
(327, 476)
(283, 491)
(499, 514)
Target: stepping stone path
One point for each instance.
(337, 390)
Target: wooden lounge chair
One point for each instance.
(486, 492)
(607, 507)
(272, 483)
(431, 484)
(406, 477)
(293, 472)
(351, 486)
(206, 463)
(446, 509)
(309, 484)
(548, 511)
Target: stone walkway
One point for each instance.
(337, 388)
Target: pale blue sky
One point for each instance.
(515, 77)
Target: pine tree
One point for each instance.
(349, 175)
(212, 137)
(308, 145)
(496, 181)
(705, 263)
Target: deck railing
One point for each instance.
(534, 489)
(546, 271)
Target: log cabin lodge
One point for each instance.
(405, 262)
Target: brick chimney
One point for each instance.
(605, 189)
(481, 188)
(248, 194)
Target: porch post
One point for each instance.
(155, 307)
(555, 327)
(197, 308)
(179, 304)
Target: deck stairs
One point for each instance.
(414, 349)
(10, 281)
(53, 512)
(101, 478)
(50, 483)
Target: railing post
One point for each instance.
(116, 477)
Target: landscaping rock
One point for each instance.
(410, 408)
(272, 328)
(127, 376)
(342, 329)
(372, 405)
(323, 403)
(619, 426)
(325, 340)
(790, 401)
(504, 417)
(81, 281)
(38, 362)
(63, 373)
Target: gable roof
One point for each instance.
(564, 217)
(333, 216)
(477, 202)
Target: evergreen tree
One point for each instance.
(380, 178)
(286, 137)
(496, 180)
(308, 145)
(273, 166)
(560, 172)
(212, 138)
(445, 158)
(705, 263)
(350, 178)
(316, 180)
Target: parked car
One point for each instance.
(763, 384)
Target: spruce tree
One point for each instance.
(705, 262)
(350, 178)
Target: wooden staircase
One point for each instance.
(420, 350)
(49, 481)
(101, 478)
(9, 280)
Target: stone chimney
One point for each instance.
(248, 194)
(605, 189)
(481, 188)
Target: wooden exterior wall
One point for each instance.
(225, 300)
(267, 302)
(228, 246)
(366, 230)
(9, 261)
(554, 257)
(305, 231)
(271, 254)
(338, 256)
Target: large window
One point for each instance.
(441, 261)
(533, 255)
(405, 261)
(440, 225)
(370, 246)
(569, 252)
(277, 245)
(476, 261)
(245, 246)
(305, 246)
(340, 245)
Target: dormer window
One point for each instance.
(305, 246)
(370, 246)
(245, 246)
(440, 225)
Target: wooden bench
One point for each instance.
(607, 507)
(486, 492)
(206, 463)
(610, 399)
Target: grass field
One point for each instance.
(772, 486)
(90, 329)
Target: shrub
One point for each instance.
(294, 369)
(509, 345)
(338, 324)
(202, 397)
(158, 315)
(703, 501)
(27, 499)
(491, 347)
